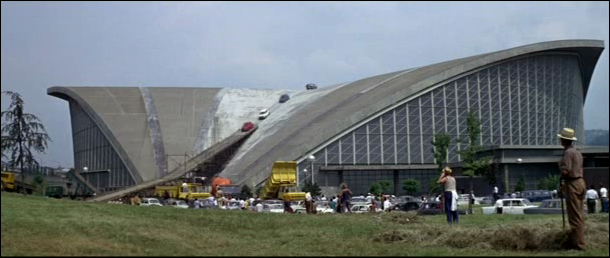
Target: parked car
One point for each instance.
(463, 200)
(548, 206)
(273, 208)
(487, 200)
(434, 208)
(264, 113)
(207, 204)
(363, 208)
(358, 200)
(179, 204)
(323, 207)
(406, 206)
(508, 206)
(247, 126)
(536, 195)
(233, 205)
(150, 202)
(311, 86)
(284, 98)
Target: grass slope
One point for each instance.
(41, 226)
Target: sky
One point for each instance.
(265, 45)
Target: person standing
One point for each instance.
(450, 195)
(603, 194)
(196, 204)
(346, 195)
(572, 188)
(495, 194)
(184, 187)
(592, 197)
(308, 203)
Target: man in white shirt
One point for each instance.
(603, 192)
(242, 204)
(197, 203)
(369, 198)
(259, 207)
(184, 187)
(387, 205)
(591, 197)
(495, 194)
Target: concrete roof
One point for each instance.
(193, 119)
(340, 110)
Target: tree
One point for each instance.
(314, 189)
(375, 188)
(472, 164)
(258, 191)
(441, 144)
(411, 186)
(433, 186)
(520, 186)
(550, 183)
(39, 183)
(22, 134)
(386, 186)
(246, 192)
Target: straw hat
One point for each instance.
(447, 170)
(568, 134)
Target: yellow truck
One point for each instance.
(177, 192)
(282, 182)
(8, 181)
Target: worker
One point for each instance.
(451, 195)
(572, 187)
(592, 197)
(184, 187)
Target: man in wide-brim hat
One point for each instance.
(572, 188)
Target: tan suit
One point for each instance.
(574, 192)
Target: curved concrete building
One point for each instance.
(377, 128)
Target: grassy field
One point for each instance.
(40, 226)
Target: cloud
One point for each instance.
(281, 45)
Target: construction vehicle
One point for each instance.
(222, 187)
(11, 183)
(281, 183)
(177, 192)
(8, 181)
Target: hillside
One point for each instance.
(41, 226)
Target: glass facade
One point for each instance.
(522, 101)
(105, 170)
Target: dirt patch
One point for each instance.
(494, 238)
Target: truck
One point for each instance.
(194, 190)
(10, 183)
(222, 187)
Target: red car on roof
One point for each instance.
(247, 126)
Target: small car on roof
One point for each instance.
(284, 98)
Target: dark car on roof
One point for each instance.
(284, 98)
(311, 86)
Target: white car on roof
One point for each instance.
(264, 113)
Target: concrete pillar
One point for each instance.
(396, 182)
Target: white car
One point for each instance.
(179, 204)
(264, 113)
(323, 207)
(508, 206)
(463, 200)
(363, 208)
(275, 208)
(150, 202)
